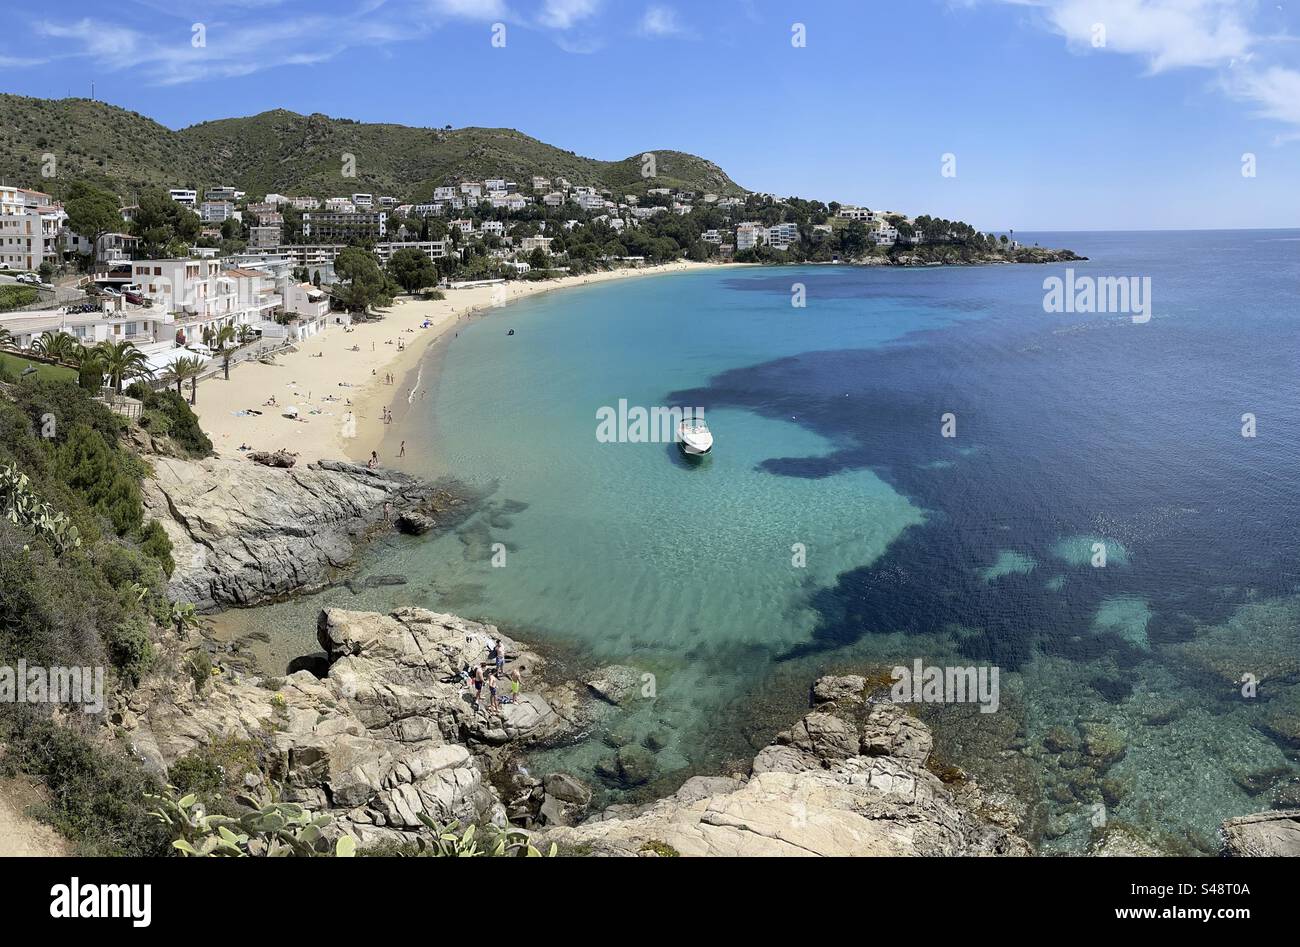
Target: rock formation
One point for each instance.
(243, 533)
(1274, 833)
(388, 734)
(847, 779)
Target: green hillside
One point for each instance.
(288, 153)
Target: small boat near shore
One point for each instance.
(694, 437)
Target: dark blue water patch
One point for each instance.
(1067, 426)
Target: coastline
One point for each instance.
(322, 374)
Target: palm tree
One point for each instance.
(246, 334)
(6, 338)
(122, 361)
(55, 345)
(224, 338)
(185, 368)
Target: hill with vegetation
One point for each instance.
(287, 153)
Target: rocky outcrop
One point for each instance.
(388, 734)
(243, 533)
(1263, 834)
(847, 779)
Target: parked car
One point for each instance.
(30, 278)
(135, 298)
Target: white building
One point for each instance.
(782, 236)
(31, 228)
(443, 193)
(215, 212)
(529, 244)
(305, 203)
(360, 201)
(849, 212)
(750, 235)
(183, 195)
(225, 193)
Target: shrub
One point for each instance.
(130, 648)
(97, 796)
(199, 664)
(154, 542)
(166, 414)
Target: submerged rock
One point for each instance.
(616, 684)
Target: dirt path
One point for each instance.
(20, 834)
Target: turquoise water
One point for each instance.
(834, 525)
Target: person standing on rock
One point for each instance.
(494, 704)
(477, 677)
(514, 685)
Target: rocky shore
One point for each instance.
(244, 533)
(955, 256)
(389, 733)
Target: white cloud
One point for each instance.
(96, 38)
(237, 48)
(660, 21)
(469, 9)
(1169, 34)
(562, 14)
(1180, 34)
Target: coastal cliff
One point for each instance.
(244, 533)
(389, 733)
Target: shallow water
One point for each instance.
(834, 523)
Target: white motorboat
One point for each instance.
(694, 437)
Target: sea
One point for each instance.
(935, 463)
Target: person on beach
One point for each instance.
(374, 460)
(401, 451)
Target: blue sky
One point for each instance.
(1050, 128)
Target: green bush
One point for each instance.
(130, 648)
(155, 542)
(97, 797)
(166, 414)
(13, 296)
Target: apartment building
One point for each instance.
(216, 212)
(265, 237)
(186, 196)
(328, 226)
(31, 224)
(750, 235)
(305, 203)
(781, 236)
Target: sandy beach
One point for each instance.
(340, 393)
